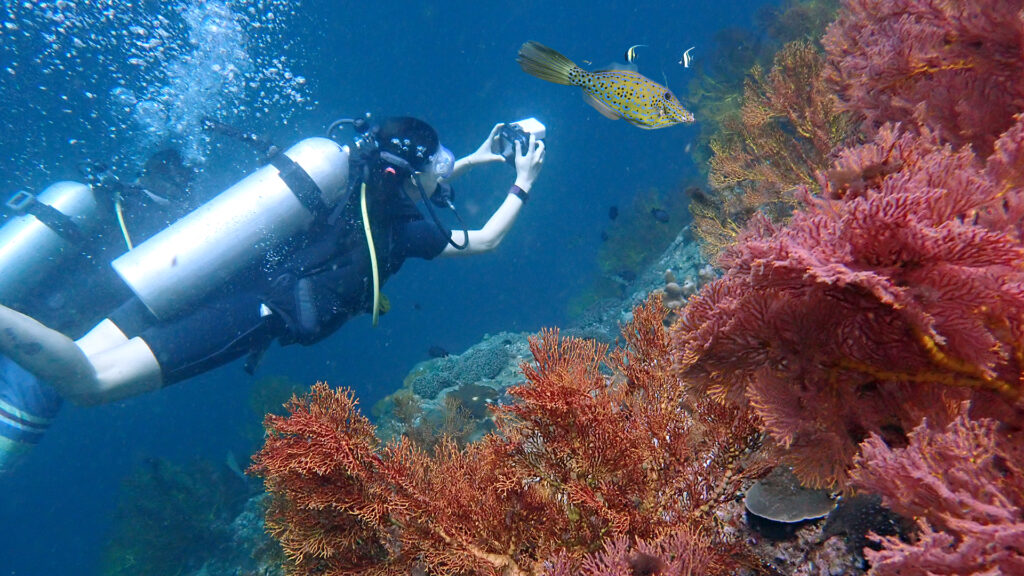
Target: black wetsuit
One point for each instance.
(322, 281)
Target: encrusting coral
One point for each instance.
(600, 459)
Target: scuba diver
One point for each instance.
(288, 254)
(76, 229)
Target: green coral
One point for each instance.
(169, 517)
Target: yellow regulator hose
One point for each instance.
(373, 254)
(119, 209)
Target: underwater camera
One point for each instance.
(518, 132)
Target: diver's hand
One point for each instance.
(529, 162)
(485, 153)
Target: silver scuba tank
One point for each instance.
(178, 266)
(31, 249)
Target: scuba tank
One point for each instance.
(178, 266)
(47, 228)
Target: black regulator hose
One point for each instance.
(437, 221)
(263, 146)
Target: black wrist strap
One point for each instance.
(519, 193)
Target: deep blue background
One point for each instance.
(452, 64)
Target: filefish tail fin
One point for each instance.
(544, 63)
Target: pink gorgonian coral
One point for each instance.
(966, 491)
(870, 311)
(953, 67)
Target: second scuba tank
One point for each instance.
(47, 228)
(205, 249)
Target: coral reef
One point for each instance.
(784, 133)
(480, 363)
(953, 68)
(893, 302)
(966, 492)
(877, 338)
(631, 242)
(453, 420)
(596, 447)
(716, 92)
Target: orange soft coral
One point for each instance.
(595, 447)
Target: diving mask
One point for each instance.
(442, 163)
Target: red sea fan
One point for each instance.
(966, 492)
(869, 312)
(953, 67)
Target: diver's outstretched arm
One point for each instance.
(483, 155)
(118, 369)
(528, 166)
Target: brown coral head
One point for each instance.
(697, 193)
(644, 564)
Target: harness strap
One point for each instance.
(300, 183)
(26, 203)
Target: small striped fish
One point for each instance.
(614, 93)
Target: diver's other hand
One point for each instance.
(485, 153)
(529, 162)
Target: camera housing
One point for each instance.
(518, 132)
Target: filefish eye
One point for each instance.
(668, 96)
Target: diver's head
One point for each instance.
(411, 147)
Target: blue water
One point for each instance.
(116, 80)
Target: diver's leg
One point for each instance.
(27, 407)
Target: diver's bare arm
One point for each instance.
(528, 166)
(46, 353)
(488, 237)
(101, 367)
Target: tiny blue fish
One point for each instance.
(614, 93)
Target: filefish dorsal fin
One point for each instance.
(616, 67)
(605, 110)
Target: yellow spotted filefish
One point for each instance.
(614, 93)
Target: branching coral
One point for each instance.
(786, 130)
(716, 91)
(966, 491)
(581, 458)
(868, 313)
(781, 138)
(952, 67)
